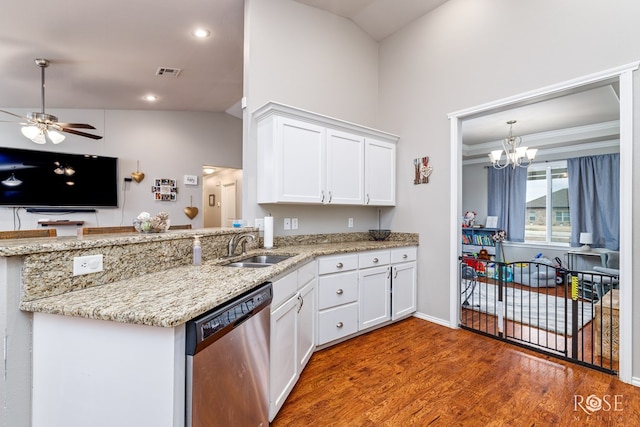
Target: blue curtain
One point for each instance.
(594, 199)
(506, 199)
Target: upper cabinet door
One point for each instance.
(291, 157)
(302, 160)
(345, 168)
(380, 173)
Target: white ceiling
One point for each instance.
(105, 55)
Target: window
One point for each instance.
(547, 217)
(562, 216)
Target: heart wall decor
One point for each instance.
(137, 175)
(191, 211)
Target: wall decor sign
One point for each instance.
(422, 170)
(165, 190)
(190, 180)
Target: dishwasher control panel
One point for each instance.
(223, 319)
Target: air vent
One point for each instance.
(168, 72)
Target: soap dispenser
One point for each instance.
(197, 251)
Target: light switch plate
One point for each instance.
(287, 223)
(259, 224)
(294, 223)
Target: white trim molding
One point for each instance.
(624, 74)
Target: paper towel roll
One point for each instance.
(268, 232)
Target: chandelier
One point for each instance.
(515, 154)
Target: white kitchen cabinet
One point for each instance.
(380, 173)
(337, 297)
(358, 291)
(293, 328)
(291, 158)
(404, 282)
(305, 157)
(307, 324)
(345, 168)
(375, 296)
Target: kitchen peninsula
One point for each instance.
(118, 335)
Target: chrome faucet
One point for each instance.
(239, 239)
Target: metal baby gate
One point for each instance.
(568, 314)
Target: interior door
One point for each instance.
(228, 204)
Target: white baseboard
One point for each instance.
(441, 322)
(635, 381)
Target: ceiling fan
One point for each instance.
(42, 128)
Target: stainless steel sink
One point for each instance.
(258, 261)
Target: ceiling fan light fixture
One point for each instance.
(55, 136)
(41, 127)
(30, 131)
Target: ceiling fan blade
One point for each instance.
(16, 115)
(77, 132)
(76, 125)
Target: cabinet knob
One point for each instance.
(405, 256)
(339, 291)
(375, 260)
(339, 265)
(339, 325)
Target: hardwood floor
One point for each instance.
(417, 373)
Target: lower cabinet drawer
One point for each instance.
(337, 322)
(337, 289)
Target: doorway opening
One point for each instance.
(624, 77)
(222, 196)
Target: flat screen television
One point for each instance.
(30, 178)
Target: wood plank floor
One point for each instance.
(417, 373)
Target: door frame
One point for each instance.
(624, 74)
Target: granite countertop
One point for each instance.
(18, 247)
(172, 297)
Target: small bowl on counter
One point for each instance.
(379, 235)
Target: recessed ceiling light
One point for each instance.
(201, 33)
(208, 170)
(150, 98)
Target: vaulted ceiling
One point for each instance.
(106, 55)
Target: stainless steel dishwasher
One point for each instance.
(228, 363)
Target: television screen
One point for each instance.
(44, 178)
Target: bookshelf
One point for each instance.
(474, 239)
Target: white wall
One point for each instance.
(469, 52)
(168, 144)
(308, 58)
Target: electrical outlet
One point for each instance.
(87, 264)
(294, 223)
(287, 223)
(259, 224)
(350, 223)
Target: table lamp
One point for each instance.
(586, 239)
